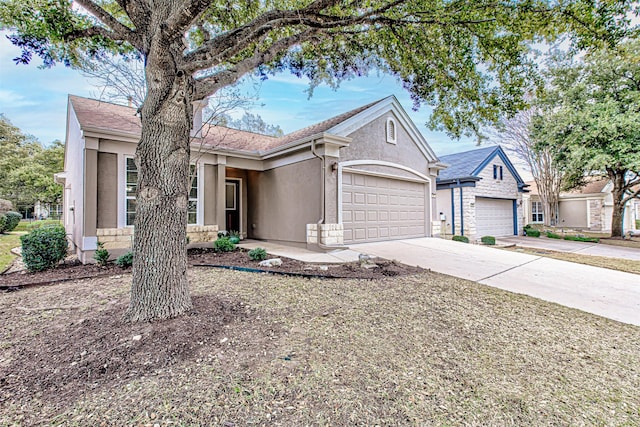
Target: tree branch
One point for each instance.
(184, 16)
(208, 85)
(121, 31)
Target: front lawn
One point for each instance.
(7, 242)
(258, 349)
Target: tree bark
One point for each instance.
(160, 287)
(617, 218)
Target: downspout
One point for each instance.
(322, 177)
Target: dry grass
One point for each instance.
(620, 264)
(634, 242)
(419, 350)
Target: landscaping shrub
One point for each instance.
(5, 206)
(531, 232)
(3, 222)
(101, 255)
(44, 247)
(582, 239)
(125, 260)
(551, 235)
(488, 240)
(463, 239)
(223, 244)
(37, 224)
(257, 254)
(12, 221)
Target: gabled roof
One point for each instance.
(108, 117)
(466, 166)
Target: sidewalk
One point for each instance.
(594, 249)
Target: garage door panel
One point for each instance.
(494, 217)
(377, 208)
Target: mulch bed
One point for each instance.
(201, 258)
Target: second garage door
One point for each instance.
(494, 217)
(379, 208)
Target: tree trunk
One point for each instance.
(160, 287)
(617, 218)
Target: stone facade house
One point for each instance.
(480, 194)
(364, 175)
(589, 207)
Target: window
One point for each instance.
(131, 190)
(192, 206)
(537, 214)
(497, 170)
(391, 131)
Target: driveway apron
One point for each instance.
(608, 293)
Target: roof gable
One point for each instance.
(469, 164)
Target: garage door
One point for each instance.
(494, 217)
(377, 208)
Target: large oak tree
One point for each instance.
(468, 58)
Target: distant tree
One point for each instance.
(591, 121)
(467, 58)
(516, 136)
(251, 123)
(27, 168)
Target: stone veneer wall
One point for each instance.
(119, 238)
(595, 215)
(327, 234)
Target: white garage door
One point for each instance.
(377, 208)
(494, 217)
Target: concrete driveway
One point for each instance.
(595, 249)
(608, 293)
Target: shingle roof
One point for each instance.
(107, 116)
(462, 165)
(593, 185)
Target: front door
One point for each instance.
(232, 205)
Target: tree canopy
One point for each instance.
(27, 168)
(591, 119)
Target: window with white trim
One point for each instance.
(131, 188)
(537, 214)
(192, 205)
(391, 131)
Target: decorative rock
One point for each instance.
(137, 337)
(273, 262)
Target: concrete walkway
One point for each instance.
(608, 293)
(595, 249)
(302, 254)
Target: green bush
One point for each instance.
(28, 226)
(463, 239)
(223, 244)
(488, 240)
(44, 247)
(125, 260)
(257, 254)
(531, 232)
(582, 239)
(551, 235)
(12, 221)
(3, 222)
(101, 255)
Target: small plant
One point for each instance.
(463, 239)
(257, 254)
(101, 255)
(234, 236)
(552, 235)
(531, 232)
(224, 244)
(222, 233)
(488, 240)
(126, 260)
(44, 247)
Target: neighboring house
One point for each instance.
(365, 175)
(480, 194)
(589, 207)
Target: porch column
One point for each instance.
(221, 177)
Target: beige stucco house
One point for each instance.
(480, 194)
(589, 207)
(364, 175)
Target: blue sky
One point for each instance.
(35, 100)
